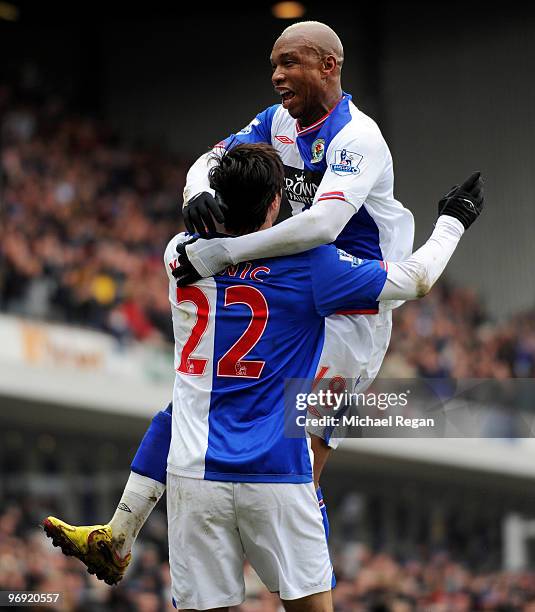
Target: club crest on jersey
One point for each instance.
(249, 127)
(318, 150)
(346, 162)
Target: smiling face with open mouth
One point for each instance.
(299, 79)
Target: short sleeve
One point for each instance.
(345, 284)
(258, 130)
(355, 162)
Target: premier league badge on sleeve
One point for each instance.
(346, 162)
(317, 150)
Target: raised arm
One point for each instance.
(345, 284)
(414, 277)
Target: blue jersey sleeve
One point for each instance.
(259, 130)
(343, 283)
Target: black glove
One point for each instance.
(200, 212)
(465, 203)
(185, 273)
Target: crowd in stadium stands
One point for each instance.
(448, 334)
(366, 582)
(84, 223)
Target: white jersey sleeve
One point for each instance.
(414, 277)
(356, 163)
(197, 178)
(319, 225)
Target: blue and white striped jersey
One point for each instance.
(238, 336)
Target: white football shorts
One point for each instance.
(353, 350)
(214, 526)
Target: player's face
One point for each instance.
(297, 78)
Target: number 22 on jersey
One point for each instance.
(232, 363)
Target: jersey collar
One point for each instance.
(316, 126)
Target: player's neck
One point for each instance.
(268, 223)
(324, 108)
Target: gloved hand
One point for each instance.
(199, 213)
(185, 273)
(466, 202)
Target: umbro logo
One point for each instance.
(284, 139)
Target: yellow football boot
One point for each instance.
(92, 544)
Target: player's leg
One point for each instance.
(282, 532)
(321, 451)
(205, 551)
(353, 351)
(352, 354)
(145, 484)
(346, 352)
(370, 361)
(105, 549)
(326, 526)
(319, 602)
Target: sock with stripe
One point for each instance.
(146, 483)
(139, 497)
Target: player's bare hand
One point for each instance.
(200, 212)
(185, 273)
(464, 202)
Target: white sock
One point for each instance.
(139, 497)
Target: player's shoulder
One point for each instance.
(362, 121)
(274, 108)
(321, 253)
(170, 253)
(269, 114)
(360, 129)
(327, 255)
(320, 257)
(287, 268)
(287, 262)
(281, 118)
(261, 122)
(278, 119)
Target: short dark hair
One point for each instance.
(247, 178)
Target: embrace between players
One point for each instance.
(236, 486)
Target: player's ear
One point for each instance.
(274, 207)
(277, 201)
(329, 64)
